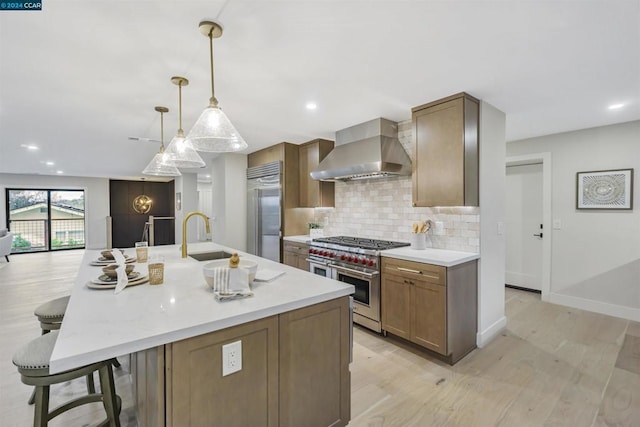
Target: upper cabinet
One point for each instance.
(445, 152)
(294, 222)
(314, 194)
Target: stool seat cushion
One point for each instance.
(52, 309)
(36, 354)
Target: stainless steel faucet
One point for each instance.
(184, 229)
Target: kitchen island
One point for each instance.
(294, 332)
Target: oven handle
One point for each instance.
(316, 262)
(355, 272)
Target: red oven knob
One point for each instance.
(370, 263)
(349, 258)
(314, 251)
(364, 261)
(325, 253)
(343, 257)
(332, 255)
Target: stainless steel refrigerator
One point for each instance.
(264, 192)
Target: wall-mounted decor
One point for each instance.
(142, 204)
(612, 189)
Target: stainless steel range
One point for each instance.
(356, 261)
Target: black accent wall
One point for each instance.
(127, 224)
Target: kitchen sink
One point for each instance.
(208, 256)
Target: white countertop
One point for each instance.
(443, 257)
(99, 325)
(305, 238)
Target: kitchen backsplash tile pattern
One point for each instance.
(382, 209)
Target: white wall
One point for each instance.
(96, 192)
(229, 198)
(591, 244)
(491, 271)
(205, 204)
(187, 186)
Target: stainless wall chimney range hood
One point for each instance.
(365, 151)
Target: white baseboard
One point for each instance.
(484, 337)
(614, 310)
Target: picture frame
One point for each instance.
(606, 189)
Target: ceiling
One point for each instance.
(80, 77)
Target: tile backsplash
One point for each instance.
(381, 209)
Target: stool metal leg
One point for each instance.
(91, 387)
(41, 409)
(108, 388)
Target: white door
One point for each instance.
(523, 226)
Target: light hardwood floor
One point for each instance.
(553, 366)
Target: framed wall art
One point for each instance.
(612, 189)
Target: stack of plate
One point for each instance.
(102, 261)
(106, 282)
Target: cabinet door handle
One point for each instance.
(409, 270)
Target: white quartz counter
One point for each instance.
(99, 325)
(305, 238)
(441, 257)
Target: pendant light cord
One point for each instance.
(213, 101)
(180, 131)
(161, 132)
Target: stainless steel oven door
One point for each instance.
(321, 269)
(366, 299)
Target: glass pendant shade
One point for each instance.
(158, 166)
(213, 132)
(180, 153)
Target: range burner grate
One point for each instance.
(361, 242)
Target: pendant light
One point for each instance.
(180, 152)
(157, 166)
(213, 132)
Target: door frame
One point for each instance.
(545, 159)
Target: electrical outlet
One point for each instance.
(231, 358)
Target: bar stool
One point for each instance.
(32, 361)
(51, 313)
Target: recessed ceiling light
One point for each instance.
(311, 106)
(29, 146)
(59, 172)
(207, 176)
(49, 163)
(615, 106)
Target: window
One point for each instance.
(45, 220)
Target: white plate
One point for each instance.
(139, 281)
(106, 280)
(101, 262)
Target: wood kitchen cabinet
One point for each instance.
(314, 194)
(295, 372)
(295, 254)
(445, 152)
(432, 306)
